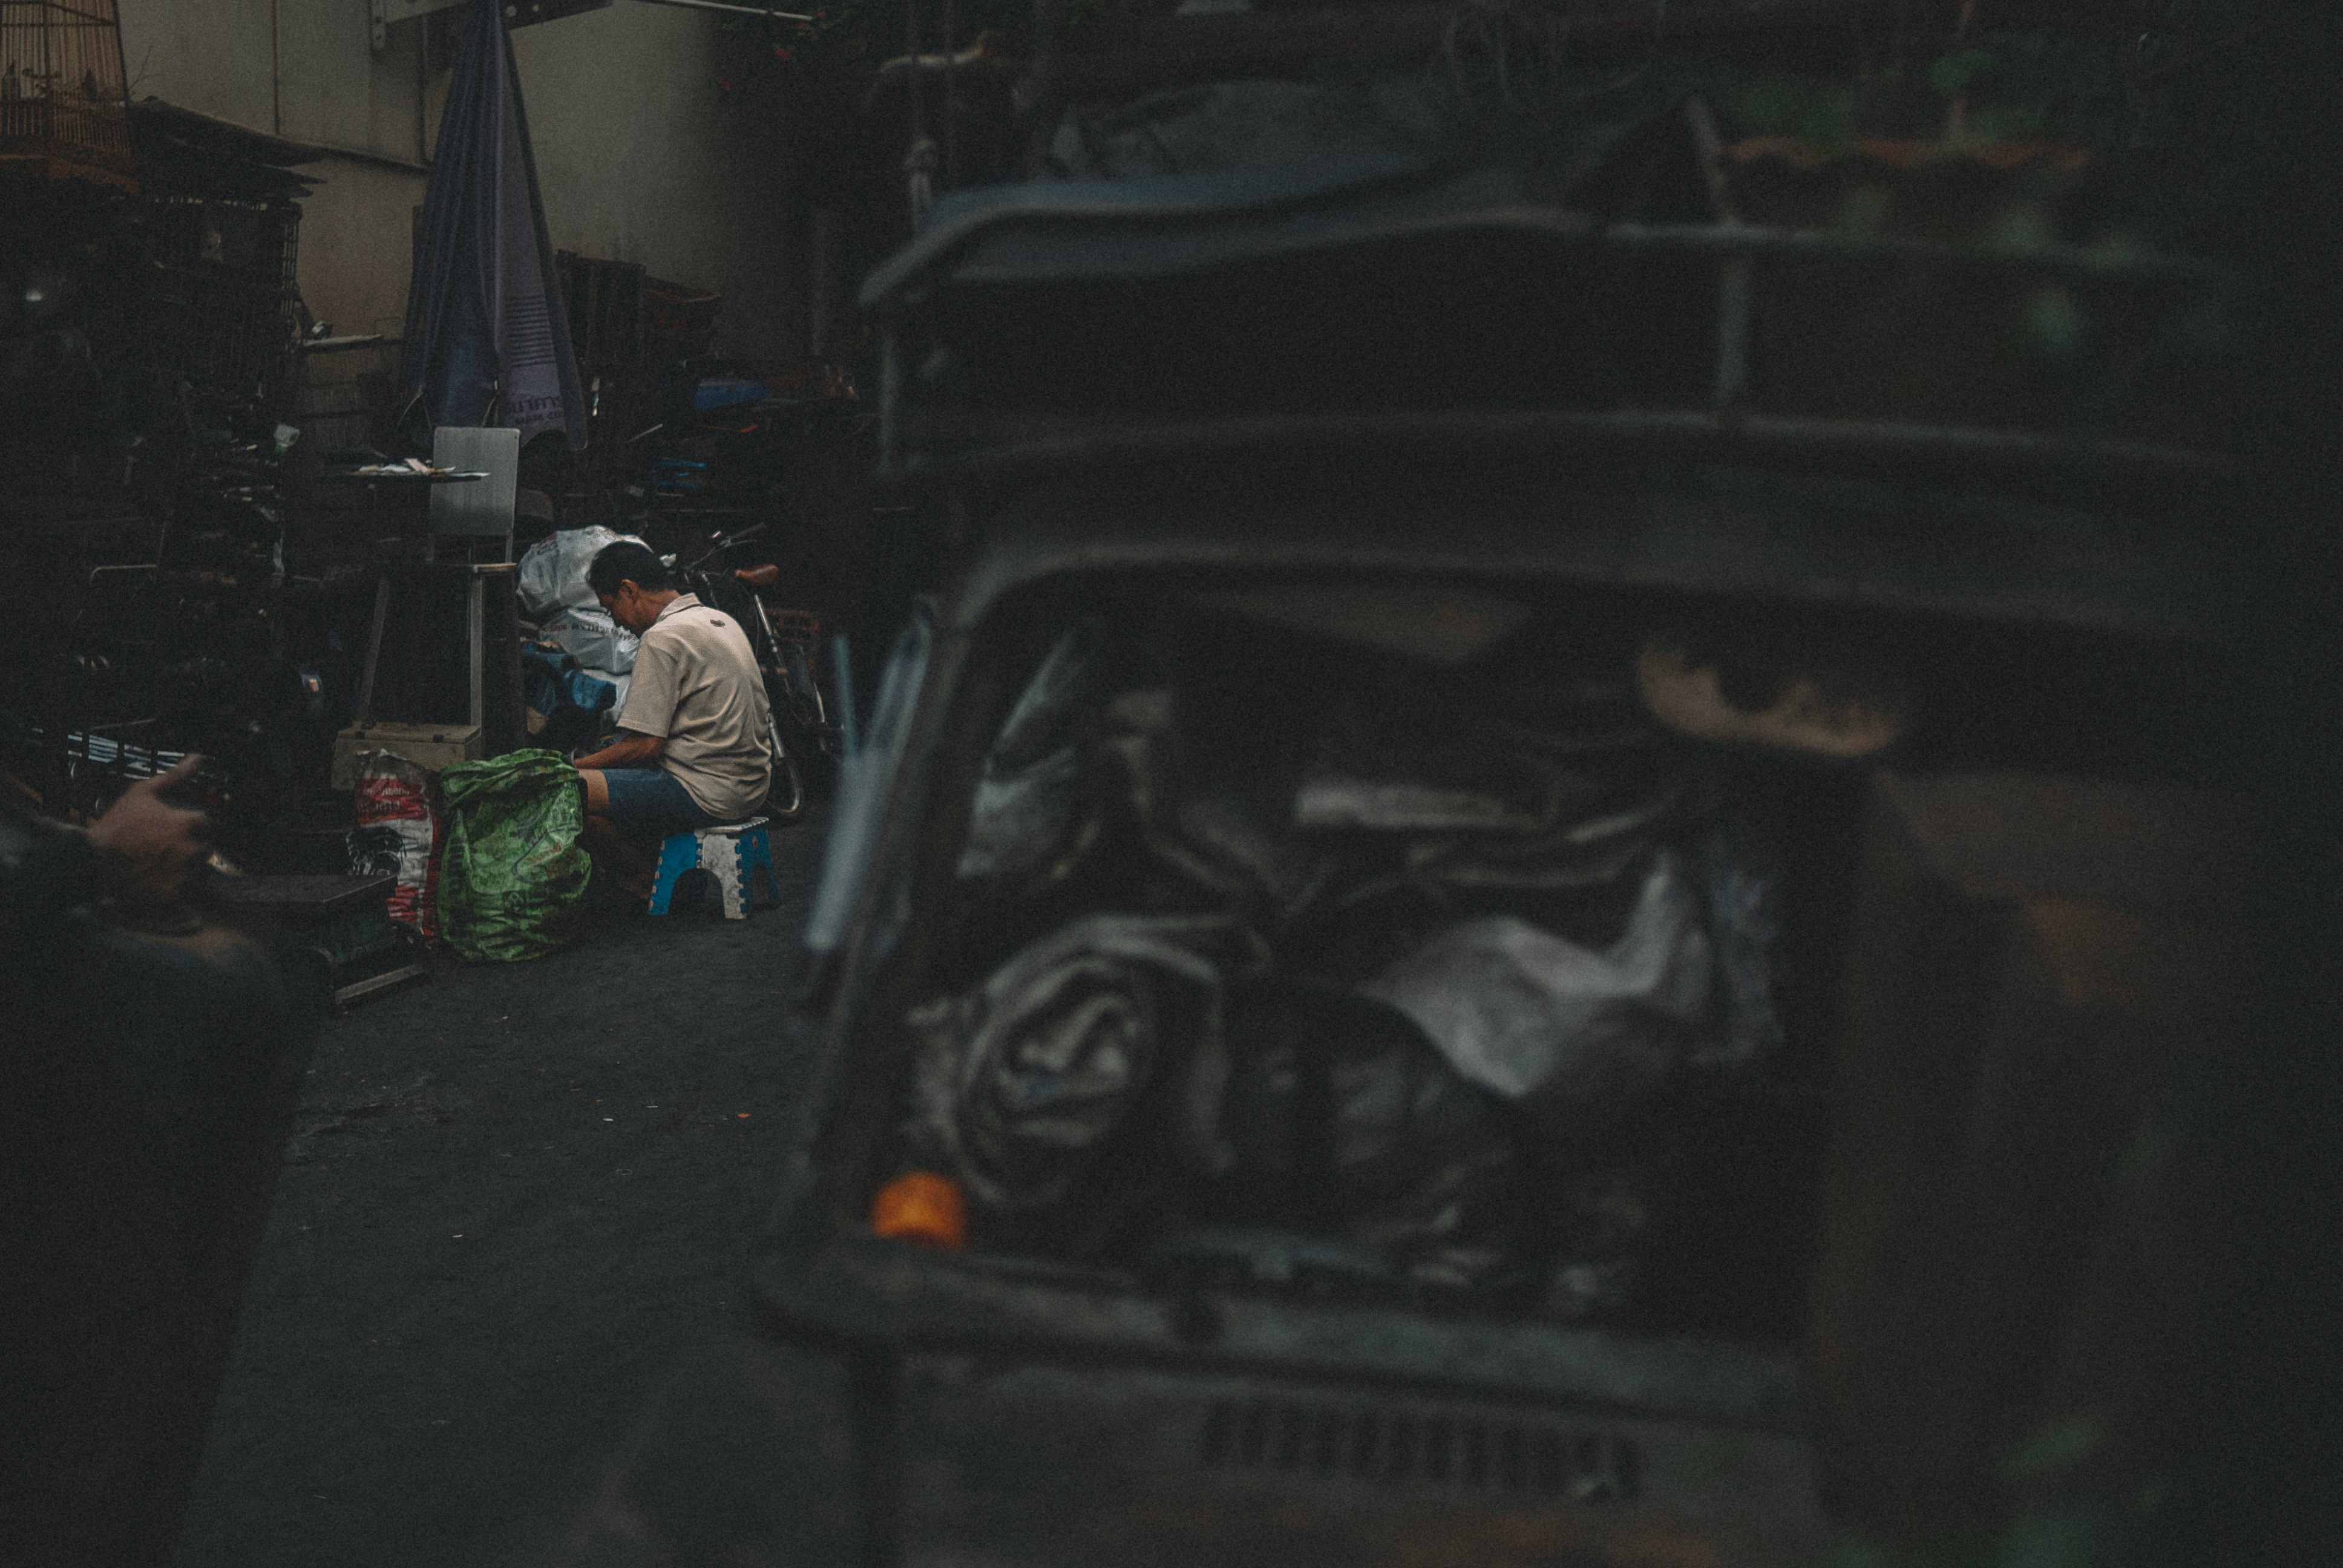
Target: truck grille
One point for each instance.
(1390, 1446)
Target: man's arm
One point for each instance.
(142, 851)
(626, 749)
(647, 716)
(147, 846)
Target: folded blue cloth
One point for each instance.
(554, 681)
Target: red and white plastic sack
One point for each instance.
(399, 834)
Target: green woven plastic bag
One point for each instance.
(513, 880)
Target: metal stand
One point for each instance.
(373, 650)
(474, 634)
(481, 515)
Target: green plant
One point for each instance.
(1954, 74)
(1818, 113)
(1828, 114)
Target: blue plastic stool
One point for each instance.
(732, 853)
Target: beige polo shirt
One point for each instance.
(696, 685)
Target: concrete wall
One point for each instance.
(631, 153)
(358, 233)
(630, 147)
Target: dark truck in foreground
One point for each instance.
(1809, 1159)
(1521, 919)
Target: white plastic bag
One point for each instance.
(398, 834)
(596, 641)
(553, 570)
(1537, 1018)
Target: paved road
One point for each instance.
(516, 1197)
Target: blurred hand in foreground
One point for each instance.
(149, 845)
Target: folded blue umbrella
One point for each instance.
(487, 340)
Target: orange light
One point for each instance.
(923, 1207)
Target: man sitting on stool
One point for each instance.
(694, 746)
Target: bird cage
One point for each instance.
(62, 97)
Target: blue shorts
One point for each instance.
(649, 804)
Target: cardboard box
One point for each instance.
(430, 747)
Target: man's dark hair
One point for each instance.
(628, 562)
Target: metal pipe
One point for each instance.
(1824, 244)
(920, 162)
(423, 98)
(1564, 228)
(1686, 434)
(741, 10)
(474, 634)
(951, 94)
(1043, 87)
(1734, 309)
(919, 88)
(374, 650)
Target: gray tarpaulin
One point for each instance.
(486, 339)
(1018, 1083)
(1535, 1017)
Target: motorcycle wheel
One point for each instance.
(785, 801)
(816, 763)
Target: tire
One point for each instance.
(785, 801)
(811, 712)
(815, 765)
(808, 726)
